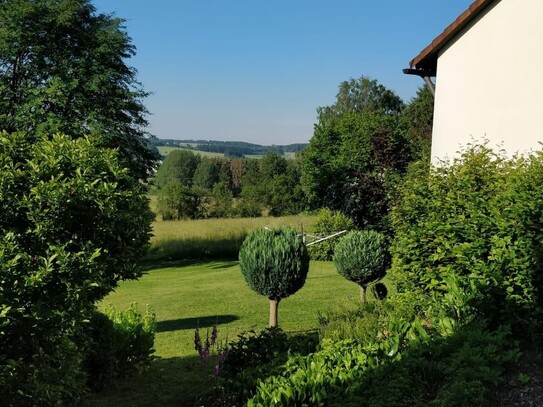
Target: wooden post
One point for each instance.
(274, 304)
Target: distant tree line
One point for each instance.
(359, 154)
(228, 148)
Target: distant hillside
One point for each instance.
(228, 148)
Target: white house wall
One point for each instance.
(489, 82)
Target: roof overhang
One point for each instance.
(426, 61)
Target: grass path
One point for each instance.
(187, 294)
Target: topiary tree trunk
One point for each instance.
(363, 293)
(274, 310)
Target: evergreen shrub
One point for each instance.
(274, 263)
(362, 257)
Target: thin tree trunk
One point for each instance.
(274, 304)
(363, 293)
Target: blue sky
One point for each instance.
(256, 71)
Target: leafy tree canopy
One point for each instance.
(179, 166)
(361, 95)
(352, 163)
(63, 69)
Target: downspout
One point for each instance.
(424, 74)
(431, 85)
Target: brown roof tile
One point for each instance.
(427, 59)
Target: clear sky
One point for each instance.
(255, 70)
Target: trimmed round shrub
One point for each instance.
(362, 257)
(274, 263)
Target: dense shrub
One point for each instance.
(476, 221)
(327, 223)
(463, 369)
(73, 223)
(362, 257)
(274, 263)
(253, 357)
(120, 344)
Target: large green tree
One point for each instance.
(63, 69)
(352, 165)
(361, 95)
(178, 166)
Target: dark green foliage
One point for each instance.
(63, 69)
(253, 357)
(327, 223)
(417, 121)
(120, 344)
(353, 164)
(178, 201)
(73, 223)
(362, 257)
(477, 222)
(178, 166)
(272, 183)
(274, 262)
(221, 202)
(464, 369)
(208, 173)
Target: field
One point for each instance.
(165, 150)
(211, 238)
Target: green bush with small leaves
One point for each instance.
(327, 223)
(274, 263)
(362, 257)
(73, 223)
(476, 221)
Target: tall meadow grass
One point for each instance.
(211, 238)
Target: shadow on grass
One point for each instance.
(213, 264)
(193, 323)
(148, 265)
(176, 381)
(222, 247)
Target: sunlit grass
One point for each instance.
(186, 295)
(211, 238)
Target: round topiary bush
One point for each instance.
(274, 263)
(362, 257)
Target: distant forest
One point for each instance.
(228, 148)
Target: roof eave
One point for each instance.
(427, 59)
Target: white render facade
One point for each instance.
(489, 81)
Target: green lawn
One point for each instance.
(185, 295)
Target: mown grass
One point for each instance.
(186, 295)
(211, 238)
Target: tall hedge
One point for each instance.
(274, 263)
(73, 223)
(477, 221)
